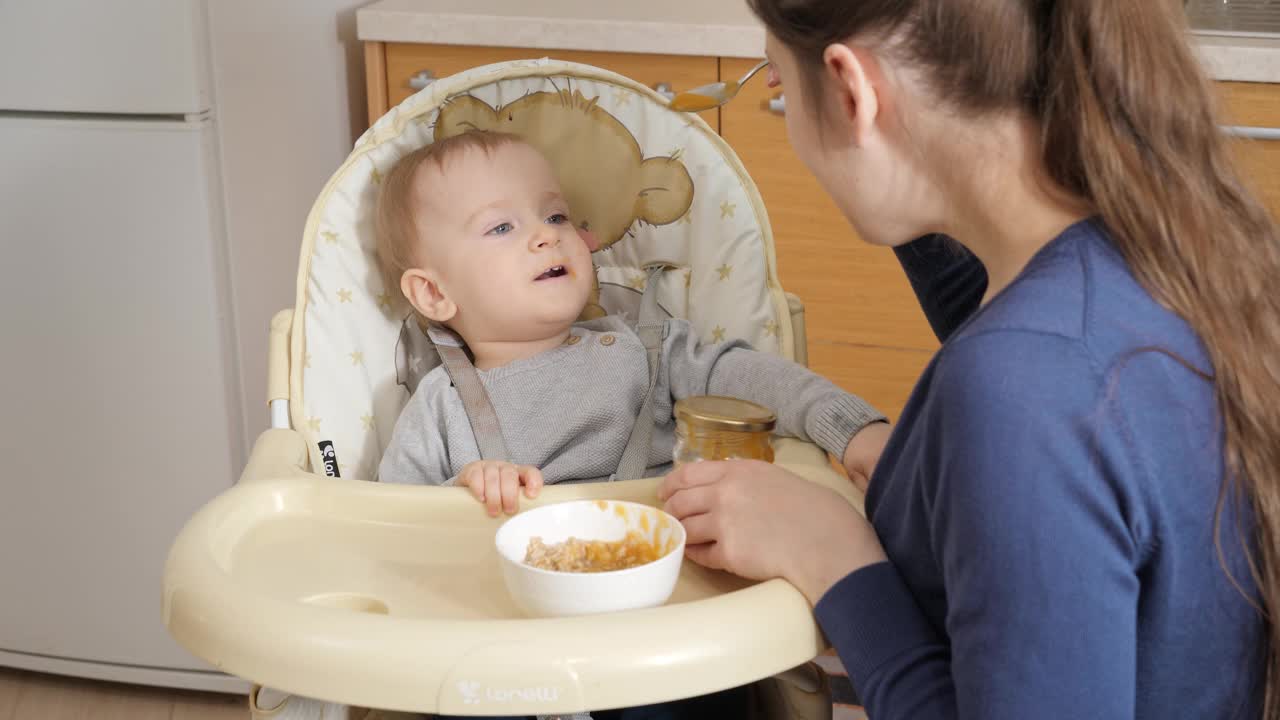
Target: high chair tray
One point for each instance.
(392, 597)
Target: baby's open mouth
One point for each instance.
(554, 271)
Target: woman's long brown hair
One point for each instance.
(1130, 126)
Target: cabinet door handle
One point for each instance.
(1252, 133)
(778, 105)
(422, 79)
(664, 89)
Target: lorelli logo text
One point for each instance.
(474, 693)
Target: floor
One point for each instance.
(33, 696)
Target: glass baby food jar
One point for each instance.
(711, 427)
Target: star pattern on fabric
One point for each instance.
(357, 357)
(329, 237)
(621, 98)
(313, 424)
(375, 176)
(717, 335)
(344, 295)
(771, 328)
(367, 421)
(636, 282)
(725, 271)
(726, 209)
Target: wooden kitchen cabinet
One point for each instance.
(1256, 105)
(391, 66)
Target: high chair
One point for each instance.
(304, 579)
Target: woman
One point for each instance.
(1077, 513)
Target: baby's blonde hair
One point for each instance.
(394, 218)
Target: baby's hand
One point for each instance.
(497, 484)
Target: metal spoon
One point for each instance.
(713, 95)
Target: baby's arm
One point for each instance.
(808, 406)
(418, 453)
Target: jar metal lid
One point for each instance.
(716, 412)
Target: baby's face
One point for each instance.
(495, 230)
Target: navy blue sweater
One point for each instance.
(1047, 504)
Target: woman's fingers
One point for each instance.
(706, 555)
(692, 475)
(701, 529)
(692, 501)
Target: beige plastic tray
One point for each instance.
(392, 597)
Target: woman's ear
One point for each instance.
(425, 294)
(859, 104)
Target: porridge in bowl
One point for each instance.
(586, 556)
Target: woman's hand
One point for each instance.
(863, 452)
(759, 521)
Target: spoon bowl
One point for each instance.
(712, 95)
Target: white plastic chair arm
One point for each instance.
(278, 453)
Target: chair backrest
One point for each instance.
(654, 185)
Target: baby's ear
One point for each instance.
(464, 113)
(666, 191)
(426, 296)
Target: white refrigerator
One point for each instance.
(119, 399)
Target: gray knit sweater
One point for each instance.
(569, 411)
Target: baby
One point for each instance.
(475, 232)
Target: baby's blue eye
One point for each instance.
(558, 219)
(501, 229)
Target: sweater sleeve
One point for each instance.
(948, 280)
(808, 406)
(418, 453)
(1033, 542)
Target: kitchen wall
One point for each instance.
(289, 79)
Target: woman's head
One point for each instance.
(1120, 119)
(894, 100)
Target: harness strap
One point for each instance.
(475, 401)
(650, 327)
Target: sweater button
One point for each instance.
(573, 340)
(608, 340)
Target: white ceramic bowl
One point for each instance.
(547, 593)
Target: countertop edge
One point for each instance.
(1239, 59)
(662, 38)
